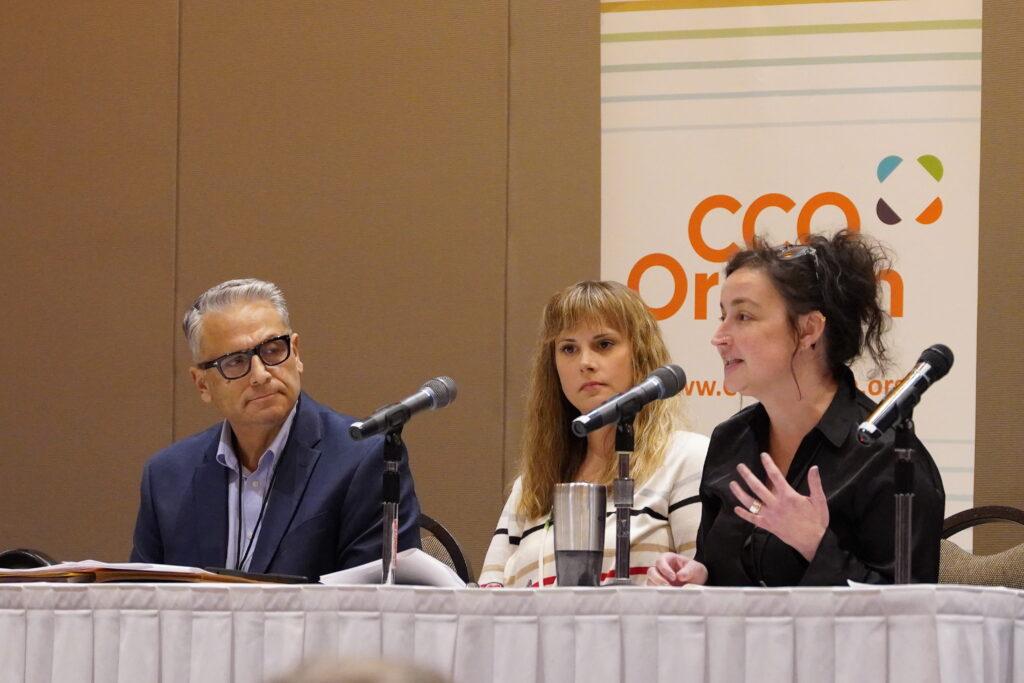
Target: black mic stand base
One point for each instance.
(622, 497)
(391, 494)
(904, 499)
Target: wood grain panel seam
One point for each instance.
(177, 231)
(508, 221)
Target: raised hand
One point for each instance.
(799, 521)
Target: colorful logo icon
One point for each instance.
(933, 166)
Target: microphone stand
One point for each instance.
(391, 494)
(904, 431)
(622, 497)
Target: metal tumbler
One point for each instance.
(579, 514)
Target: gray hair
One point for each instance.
(226, 294)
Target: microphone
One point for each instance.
(932, 366)
(435, 393)
(665, 382)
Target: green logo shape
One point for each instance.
(932, 164)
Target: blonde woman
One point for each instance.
(597, 340)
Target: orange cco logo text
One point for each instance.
(719, 253)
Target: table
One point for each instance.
(188, 632)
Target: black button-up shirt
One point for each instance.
(859, 483)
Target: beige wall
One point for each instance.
(999, 458)
(396, 167)
(417, 176)
(87, 238)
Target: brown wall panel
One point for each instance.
(419, 177)
(87, 184)
(356, 155)
(999, 467)
(554, 180)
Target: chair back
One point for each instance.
(440, 544)
(24, 558)
(956, 565)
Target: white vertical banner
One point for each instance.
(726, 118)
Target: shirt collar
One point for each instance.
(834, 424)
(226, 451)
(842, 411)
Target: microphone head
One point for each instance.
(443, 389)
(672, 380)
(579, 426)
(940, 358)
(355, 430)
(868, 433)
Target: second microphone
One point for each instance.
(665, 382)
(435, 393)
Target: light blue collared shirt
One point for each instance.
(254, 485)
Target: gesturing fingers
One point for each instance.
(747, 516)
(775, 475)
(759, 490)
(745, 499)
(817, 494)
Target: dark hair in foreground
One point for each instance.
(840, 280)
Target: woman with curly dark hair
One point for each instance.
(789, 496)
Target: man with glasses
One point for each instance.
(278, 486)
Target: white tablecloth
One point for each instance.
(148, 632)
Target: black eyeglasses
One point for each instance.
(237, 364)
(789, 252)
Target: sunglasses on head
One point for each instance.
(790, 252)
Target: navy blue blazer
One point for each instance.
(324, 512)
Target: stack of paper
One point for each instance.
(88, 571)
(412, 567)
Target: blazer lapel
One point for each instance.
(294, 467)
(210, 509)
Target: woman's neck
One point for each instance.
(794, 412)
(600, 451)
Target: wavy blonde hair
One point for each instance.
(550, 452)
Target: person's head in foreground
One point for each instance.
(357, 670)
